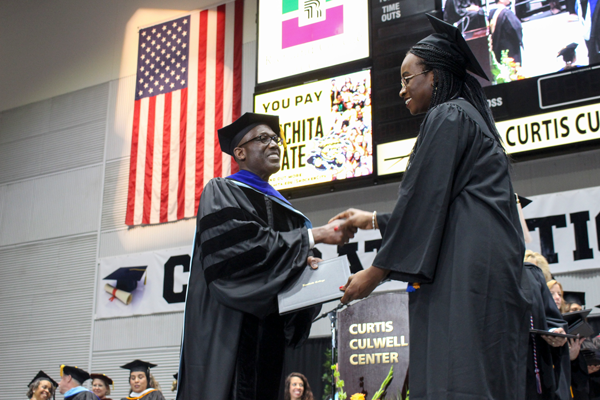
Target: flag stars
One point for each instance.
(162, 51)
(183, 58)
(179, 53)
(183, 70)
(145, 85)
(140, 92)
(162, 76)
(143, 45)
(144, 33)
(163, 40)
(153, 42)
(157, 59)
(158, 35)
(177, 77)
(150, 90)
(141, 81)
(178, 41)
(174, 37)
(178, 65)
(184, 34)
(185, 21)
(179, 29)
(164, 27)
(142, 68)
(155, 83)
(174, 24)
(172, 85)
(162, 64)
(156, 71)
(167, 80)
(183, 82)
(184, 45)
(154, 30)
(146, 73)
(147, 61)
(162, 88)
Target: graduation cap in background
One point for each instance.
(103, 378)
(523, 202)
(568, 52)
(139, 365)
(578, 324)
(44, 376)
(127, 277)
(451, 40)
(575, 297)
(76, 373)
(591, 357)
(231, 135)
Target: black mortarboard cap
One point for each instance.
(103, 377)
(449, 39)
(44, 376)
(127, 277)
(524, 201)
(577, 323)
(76, 373)
(575, 297)
(138, 365)
(568, 52)
(231, 135)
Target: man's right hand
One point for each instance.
(333, 233)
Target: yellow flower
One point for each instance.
(357, 396)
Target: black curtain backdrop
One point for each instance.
(308, 360)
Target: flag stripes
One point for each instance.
(175, 149)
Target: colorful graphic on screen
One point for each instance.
(327, 129)
(293, 34)
(298, 36)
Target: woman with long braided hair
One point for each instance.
(454, 235)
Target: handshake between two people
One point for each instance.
(339, 230)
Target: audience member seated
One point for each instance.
(297, 387)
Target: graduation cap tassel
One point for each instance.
(538, 380)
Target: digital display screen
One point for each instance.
(297, 36)
(327, 129)
(526, 39)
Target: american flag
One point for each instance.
(188, 85)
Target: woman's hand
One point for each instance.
(361, 284)
(574, 347)
(555, 341)
(355, 218)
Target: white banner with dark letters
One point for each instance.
(565, 228)
(143, 283)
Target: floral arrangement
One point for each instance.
(360, 396)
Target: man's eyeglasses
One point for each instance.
(266, 139)
(406, 79)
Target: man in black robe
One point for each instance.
(507, 32)
(71, 379)
(455, 234)
(250, 243)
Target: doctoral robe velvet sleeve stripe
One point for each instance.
(246, 261)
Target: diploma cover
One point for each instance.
(315, 286)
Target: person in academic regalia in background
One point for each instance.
(101, 386)
(143, 385)
(250, 243)
(41, 387)
(507, 32)
(71, 379)
(455, 234)
(550, 354)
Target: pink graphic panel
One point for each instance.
(293, 35)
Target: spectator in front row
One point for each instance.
(71, 379)
(101, 385)
(143, 385)
(41, 387)
(297, 387)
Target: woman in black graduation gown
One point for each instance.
(143, 385)
(455, 234)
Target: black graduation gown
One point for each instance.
(553, 362)
(455, 230)
(508, 35)
(154, 395)
(247, 248)
(87, 395)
